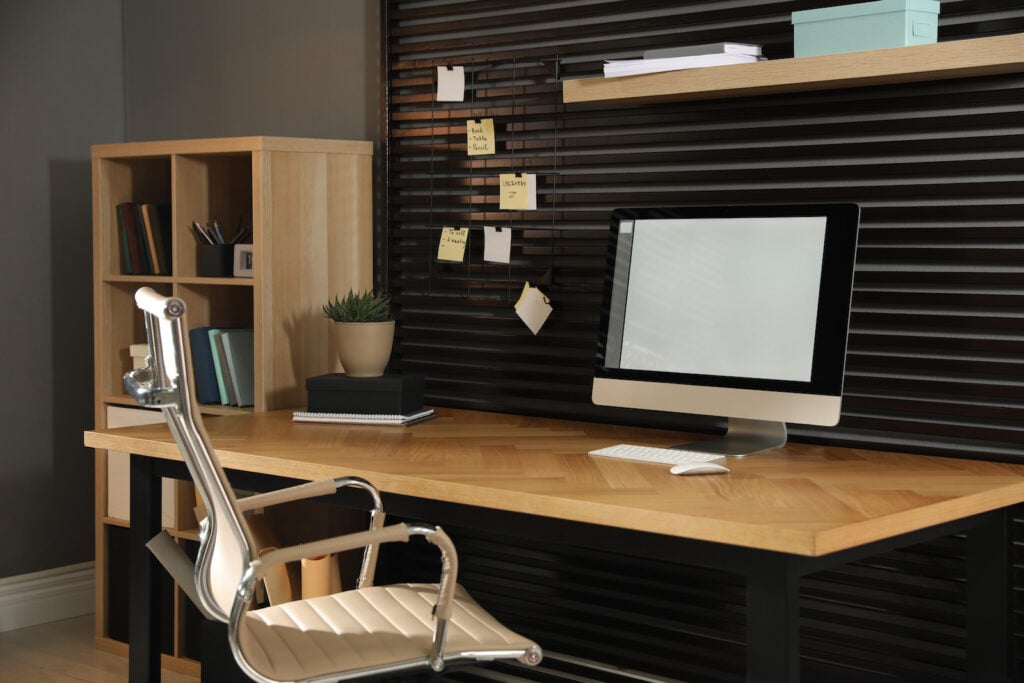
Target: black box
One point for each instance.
(386, 395)
(215, 260)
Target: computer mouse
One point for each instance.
(699, 468)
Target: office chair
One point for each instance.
(368, 630)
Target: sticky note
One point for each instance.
(497, 244)
(451, 84)
(479, 136)
(533, 308)
(453, 244)
(517, 191)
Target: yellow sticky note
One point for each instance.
(479, 136)
(517, 191)
(533, 308)
(453, 244)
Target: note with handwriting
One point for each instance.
(517, 191)
(451, 84)
(497, 244)
(479, 136)
(533, 308)
(453, 244)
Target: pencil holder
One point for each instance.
(214, 260)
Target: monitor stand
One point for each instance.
(743, 437)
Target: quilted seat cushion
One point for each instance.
(364, 629)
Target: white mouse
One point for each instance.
(699, 468)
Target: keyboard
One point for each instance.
(658, 456)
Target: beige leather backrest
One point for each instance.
(226, 545)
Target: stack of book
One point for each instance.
(685, 57)
(222, 361)
(395, 399)
(144, 233)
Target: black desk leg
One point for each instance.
(989, 600)
(143, 583)
(773, 621)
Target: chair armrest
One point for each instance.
(310, 489)
(335, 544)
(325, 487)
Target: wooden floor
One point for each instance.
(62, 652)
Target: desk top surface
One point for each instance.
(803, 499)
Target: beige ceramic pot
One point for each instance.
(364, 349)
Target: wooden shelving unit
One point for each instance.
(309, 203)
(938, 61)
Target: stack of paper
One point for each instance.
(363, 418)
(686, 57)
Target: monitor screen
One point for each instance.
(740, 312)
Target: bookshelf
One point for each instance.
(309, 203)
(952, 59)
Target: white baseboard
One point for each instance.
(49, 595)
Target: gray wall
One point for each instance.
(195, 68)
(61, 89)
(70, 77)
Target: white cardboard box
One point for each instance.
(118, 465)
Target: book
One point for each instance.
(363, 418)
(147, 229)
(238, 351)
(157, 219)
(707, 49)
(219, 365)
(204, 371)
(122, 234)
(633, 67)
(145, 259)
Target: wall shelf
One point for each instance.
(938, 61)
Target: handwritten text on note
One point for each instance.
(518, 191)
(479, 136)
(453, 244)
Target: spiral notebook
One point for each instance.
(362, 418)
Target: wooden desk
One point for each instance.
(777, 516)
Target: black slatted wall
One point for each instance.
(936, 359)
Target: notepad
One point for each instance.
(362, 418)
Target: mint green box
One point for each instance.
(865, 26)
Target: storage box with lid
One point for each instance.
(865, 26)
(397, 394)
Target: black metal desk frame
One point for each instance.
(772, 578)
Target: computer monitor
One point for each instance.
(739, 312)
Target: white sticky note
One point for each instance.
(453, 244)
(517, 191)
(451, 84)
(533, 308)
(479, 136)
(497, 244)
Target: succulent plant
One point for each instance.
(359, 307)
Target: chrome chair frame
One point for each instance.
(227, 567)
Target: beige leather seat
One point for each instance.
(369, 630)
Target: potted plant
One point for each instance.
(365, 331)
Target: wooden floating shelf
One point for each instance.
(937, 61)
